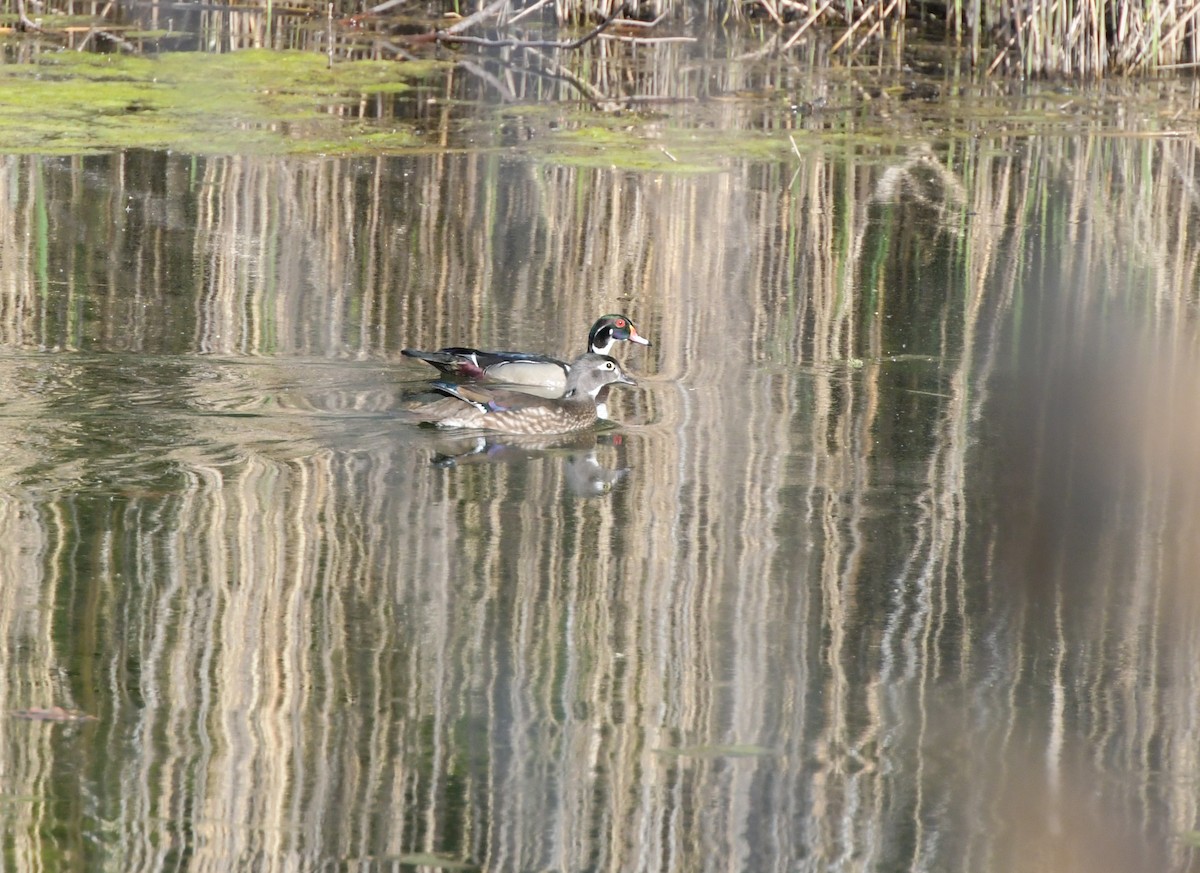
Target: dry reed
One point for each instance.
(1080, 38)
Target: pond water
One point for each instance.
(890, 562)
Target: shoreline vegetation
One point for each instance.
(1029, 38)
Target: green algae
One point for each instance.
(261, 102)
(294, 103)
(613, 142)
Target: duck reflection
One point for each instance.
(584, 472)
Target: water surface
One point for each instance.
(888, 564)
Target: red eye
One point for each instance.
(620, 322)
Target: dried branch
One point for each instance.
(110, 36)
(809, 22)
(385, 6)
(528, 10)
(26, 23)
(633, 22)
(488, 11)
(647, 40)
(557, 71)
(450, 34)
(858, 22)
(390, 46)
(506, 94)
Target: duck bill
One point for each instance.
(635, 337)
(626, 379)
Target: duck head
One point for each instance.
(610, 329)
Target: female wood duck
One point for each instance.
(520, 368)
(516, 412)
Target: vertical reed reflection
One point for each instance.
(872, 596)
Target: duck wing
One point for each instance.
(453, 361)
(516, 367)
(489, 399)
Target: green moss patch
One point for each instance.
(626, 143)
(249, 101)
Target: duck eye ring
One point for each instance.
(620, 322)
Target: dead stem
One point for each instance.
(452, 35)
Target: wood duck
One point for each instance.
(516, 412)
(527, 370)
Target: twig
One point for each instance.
(506, 94)
(395, 49)
(771, 11)
(122, 42)
(663, 149)
(657, 98)
(1170, 36)
(109, 35)
(769, 46)
(808, 22)
(633, 22)
(1002, 54)
(600, 28)
(528, 10)
(795, 148)
(24, 20)
(646, 40)
(877, 26)
(450, 35)
(385, 6)
(599, 99)
(549, 68)
(471, 20)
(862, 19)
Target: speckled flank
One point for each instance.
(535, 420)
(451, 413)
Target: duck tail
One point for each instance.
(453, 362)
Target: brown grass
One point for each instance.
(1073, 38)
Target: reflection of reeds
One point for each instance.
(347, 654)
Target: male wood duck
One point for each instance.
(520, 368)
(517, 412)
